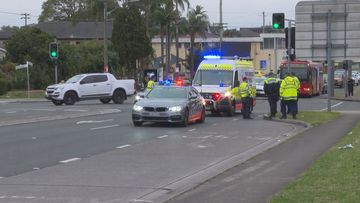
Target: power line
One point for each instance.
(4, 12)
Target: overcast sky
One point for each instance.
(237, 13)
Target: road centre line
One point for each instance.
(104, 127)
(123, 146)
(333, 106)
(69, 160)
(163, 136)
(88, 122)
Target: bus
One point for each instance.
(309, 73)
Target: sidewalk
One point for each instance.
(257, 180)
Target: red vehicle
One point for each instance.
(309, 73)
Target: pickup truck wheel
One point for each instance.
(57, 102)
(105, 100)
(70, 98)
(119, 97)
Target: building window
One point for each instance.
(268, 43)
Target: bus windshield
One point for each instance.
(300, 71)
(213, 77)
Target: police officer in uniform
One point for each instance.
(288, 94)
(245, 92)
(271, 88)
(151, 83)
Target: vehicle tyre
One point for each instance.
(119, 97)
(57, 102)
(185, 121)
(70, 98)
(137, 123)
(202, 119)
(231, 111)
(105, 100)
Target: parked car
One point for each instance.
(259, 84)
(102, 86)
(356, 77)
(339, 76)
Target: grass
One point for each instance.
(22, 94)
(317, 118)
(334, 177)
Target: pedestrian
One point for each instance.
(288, 94)
(245, 92)
(351, 87)
(271, 88)
(298, 89)
(151, 83)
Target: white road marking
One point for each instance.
(76, 110)
(163, 136)
(192, 130)
(36, 168)
(34, 138)
(215, 124)
(11, 112)
(333, 106)
(122, 147)
(141, 200)
(42, 109)
(235, 119)
(69, 160)
(88, 122)
(1, 177)
(104, 127)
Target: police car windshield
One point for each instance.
(74, 79)
(167, 93)
(213, 77)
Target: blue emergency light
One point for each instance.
(212, 57)
(167, 82)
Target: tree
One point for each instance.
(179, 4)
(197, 25)
(129, 38)
(74, 10)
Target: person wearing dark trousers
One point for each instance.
(245, 98)
(288, 94)
(298, 88)
(351, 87)
(271, 88)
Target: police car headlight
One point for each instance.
(227, 94)
(137, 97)
(137, 108)
(175, 108)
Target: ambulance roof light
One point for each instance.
(212, 57)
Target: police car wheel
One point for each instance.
(185, 121)
(137, 123)
(202, 119)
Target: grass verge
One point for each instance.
(334, 177)
(317, 118)
(20, 94)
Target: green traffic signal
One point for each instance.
(276, 25)
(53, 54)
(53, 50)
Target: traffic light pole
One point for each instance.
(289, 43)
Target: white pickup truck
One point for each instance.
(103, 86)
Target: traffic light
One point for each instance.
(278, 20)
(53, 50)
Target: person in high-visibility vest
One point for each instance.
(298, 88)
(151, 83)
(288, 94)
(235, 91)
(245, 92)
(271, 89)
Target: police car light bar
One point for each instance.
(212, 57)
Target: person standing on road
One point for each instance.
(245, 98)
(271, 88)
(298, 89)
(151, 83)
(351, 87)
(288, 94)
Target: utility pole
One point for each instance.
(221, 25)
(263, 14)
(26, 17)
(106, 68)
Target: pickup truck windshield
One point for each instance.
(213, 77)
(74, 79)
(167, 93)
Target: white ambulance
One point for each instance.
(215, 76)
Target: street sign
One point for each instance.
(312, 28)
(21, 66)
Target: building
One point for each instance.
(248, 43)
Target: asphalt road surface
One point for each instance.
(84, 149)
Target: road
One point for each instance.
(85, 151)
